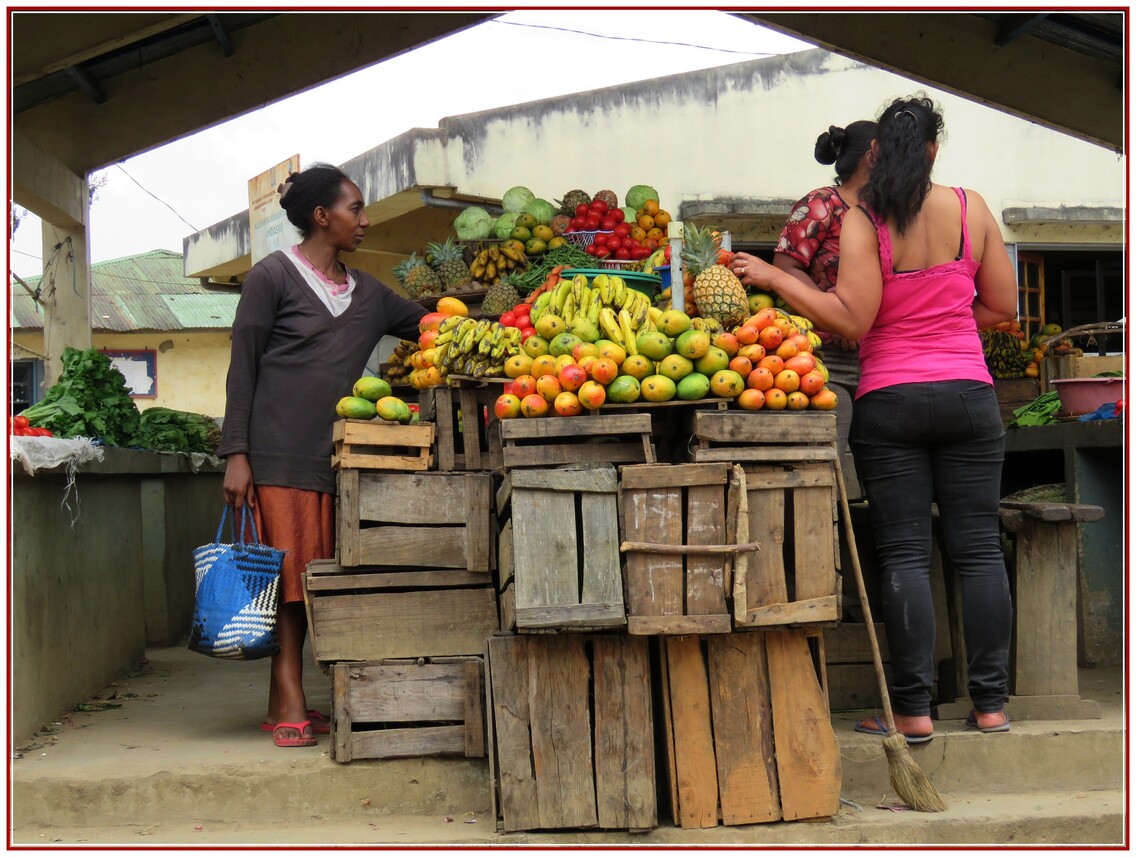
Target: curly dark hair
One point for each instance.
(901, 176)
(303, 192)
(845, 147)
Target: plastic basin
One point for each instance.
(1085, 395)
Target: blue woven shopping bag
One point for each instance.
(235, 599)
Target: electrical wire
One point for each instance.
(632, 39)
(158, 198)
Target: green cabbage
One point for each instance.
(542, 210)
(629, 214)
(639, 194)
(473, 224)
(516, 198)
(503, 225)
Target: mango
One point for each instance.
(371, 388)
(393, 408)
(355, 408)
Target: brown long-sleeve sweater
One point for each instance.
(291, 363)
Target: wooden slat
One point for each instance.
(696, 772)
(418, 498)
(550, 455)
(1045, 609)
(740, 426)
(765, 571)
(624, 739)
(478, 520)
(434, 547)
(441, 578)
(812, 543)
(408, 743)
(513, 430)
(507, 605)
(545, 549)
(743, 729)
(572, 616)
(602, 577)
(516, 777)
(350, 458)
(392, 693)
(664, 697)
(505, 559)
(601, 479)
(436, 405)
(1079, 512)
(347, 517)
(473, 718)
(371, 626)
(808, 756)
(655, 625)
(471, 428)
(380, 433)
(340, 714)
(559, 676)
(644, 476)
(654, 581)
(765, 453)
(705, 525)
(826, 609)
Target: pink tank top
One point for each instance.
(925, 328)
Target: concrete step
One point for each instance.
(184, 751)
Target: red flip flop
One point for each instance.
(321, 725)
(305, 740)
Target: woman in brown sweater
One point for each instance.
(304, 328)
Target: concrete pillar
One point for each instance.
(60, 198)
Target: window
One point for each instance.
(27, 383)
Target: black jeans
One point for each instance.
(941, 442)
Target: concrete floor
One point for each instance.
(172, 755)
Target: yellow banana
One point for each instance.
(595, 302)
(579, 283)
(609, 324)
(618, 292)
(628, 299)
(569, 309)
(628, 331)
(602, 283)
(563, 289)
(654, 314)
(640, 311)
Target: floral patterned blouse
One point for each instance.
(812, 235)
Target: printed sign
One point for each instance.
(269, 228)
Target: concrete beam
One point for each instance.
(45, 186)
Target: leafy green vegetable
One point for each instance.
(473, 224)
(516, 198)
(168, 430)
(91, 399)
(1041, 411)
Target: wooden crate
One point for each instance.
(667, 511)
(559, 549)
(463, 445)
(375, 612)
(791, 510)
(763, 436)
(595, 438)
(745, 731)
(571, 743)
(851, 675)
(406, 708)
(1077, 365)
(415, 520)
(382, 445)
(1014, 393)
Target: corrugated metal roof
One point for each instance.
(139, 293)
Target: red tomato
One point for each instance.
(20, 421)
(527, 332)
(592, 249)
(613, 242)
(507, 319)
(576, 224)
(592, 221)
(599, 205)
(521, 309)
(607, 224)
(622, 253)
(628, 242)
(602, 252)
(667, 253)
(619, 216)
(622, 229)
(582, 209)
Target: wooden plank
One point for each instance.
(370, 626)
(624, 742)
(516, 778)
(440, 578)
(848, 643)
(1045, 609)
(743, 729)
(826, 609)
(473, 715)
(666, 730)
(505, 556)
(381, 433)
(340, 714)
(491, 742)
(573, 616)
(507, 605)
(679, 625)
(599, 536)
(740, 426)
(417, 498)
(765, 572)
(349, 458)
(593, 427)
(705, 525)
(644, 476)
(471, 428)
(392, 693)
(1056, 511)
(693, 735)
(478, 520)
(347, 517)
(433, 547)
(592, 478)
(654, 581)
(765, 453)
(545, 549)
(559, 676)
(808, 756)
(813, 551)
(571, 453)
(408, 743)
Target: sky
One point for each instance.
(154, 200)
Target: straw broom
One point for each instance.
(907, 779)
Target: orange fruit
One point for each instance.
(545, 364)
(746, 334)
(811, 383)
(770, 337)
(759, 379)
(802, 364)
(825, 400)
(754, 351)
(662, 218)
(651, 207)
(534, 405)
(797, 401)
(742, 365)
(787, 350)
(646, 222)
(751, 400)
(776, 400)
(655, 233)
(771, 362)
(786, 380)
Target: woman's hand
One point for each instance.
(238, 486)
(753, 272)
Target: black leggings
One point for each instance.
(940, 442)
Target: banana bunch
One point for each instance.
(474, 347)
(659, 257)
(495, 260)
(1005, 357)
(805, 326)
(399, 365)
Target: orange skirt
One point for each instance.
(299, 522)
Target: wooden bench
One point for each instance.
(1043, 669)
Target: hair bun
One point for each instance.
(829, 145)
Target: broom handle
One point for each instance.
(877, 661)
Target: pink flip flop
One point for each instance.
(304, 740)
(320, 723)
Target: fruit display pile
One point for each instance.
(372, 397)
(1008, 352)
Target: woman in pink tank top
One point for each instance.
(922, 268)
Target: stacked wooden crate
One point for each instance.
(400, 617)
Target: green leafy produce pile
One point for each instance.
(1041, 411)
(168, 430)
(91, 400)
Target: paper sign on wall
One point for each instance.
(269, 228)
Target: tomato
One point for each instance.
(522, 309)
(667, 253)
(591, 249)
(592, 222)
(582, 209)
(576, 224)
(602, 252)
(20, 421)
(599, 205)
(608, 224)
(527, 332)
(619, 216)
(613, 242)
(1120, 406)
(622, 253)
(622, 229)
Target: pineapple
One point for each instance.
(420, 278)
(502, 295)
(446, 257)
(572, 199)
(718, 294)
